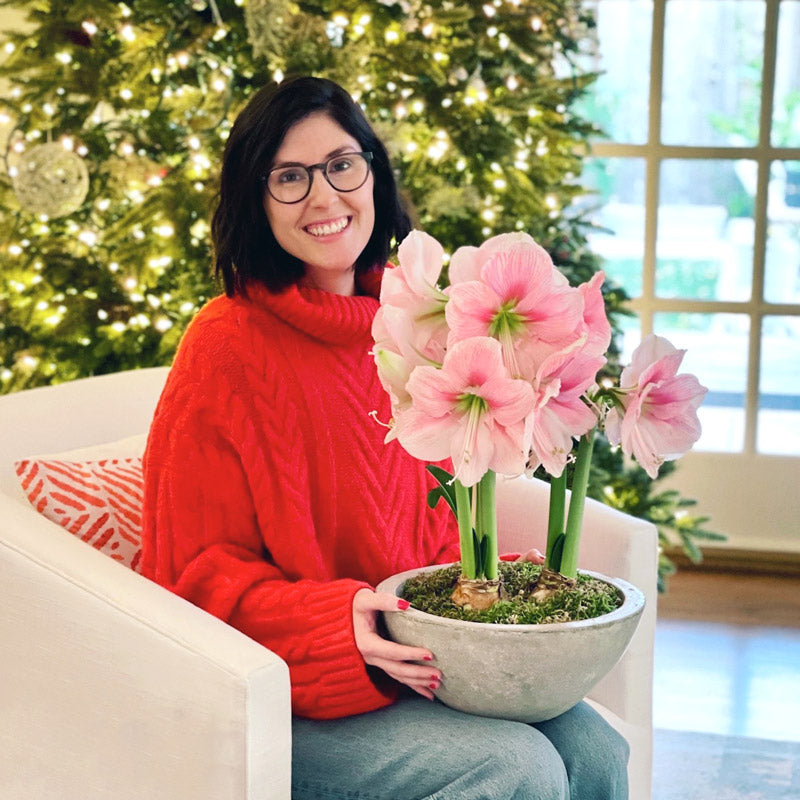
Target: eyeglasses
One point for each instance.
(292, 183)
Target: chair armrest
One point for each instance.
(112, 687)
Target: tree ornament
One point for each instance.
(51, 180)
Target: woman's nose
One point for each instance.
(321, 190)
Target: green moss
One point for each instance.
(430, 592)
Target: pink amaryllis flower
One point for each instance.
(509, 289)
(470, 410)
(413, 286)
(595, 322)
(400, 348)
(658, 421)
(560, 413)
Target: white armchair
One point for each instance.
(112, 688)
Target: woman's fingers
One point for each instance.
(393, 658)
(405, 672)
(366, 604)
(367, 600)
(376, 646)
(533, 555)
(424, 683)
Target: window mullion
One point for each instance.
(653, 167)
(764, 159)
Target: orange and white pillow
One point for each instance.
(95, 493)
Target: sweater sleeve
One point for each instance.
(228, 526)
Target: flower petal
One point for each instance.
(474, 361)
(465, 265)
(650, 350)
(470, 310)
(423, 436)
(596, 324)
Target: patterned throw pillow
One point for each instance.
(100, 501)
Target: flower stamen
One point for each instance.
(475, 407)
(389, 425)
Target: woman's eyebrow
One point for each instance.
(346, 148)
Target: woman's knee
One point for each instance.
(531, 765)
(595, 754)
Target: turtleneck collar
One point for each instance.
(332, 318)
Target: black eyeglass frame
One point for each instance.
(323, 168)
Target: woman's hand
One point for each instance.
(533, 555)
(391, 657)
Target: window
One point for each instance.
(697, 207)
(698, 196)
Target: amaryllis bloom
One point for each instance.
(518, 298)
(470, 410)
(659, 422)
(467, 261)
(560, 414)
(399, 348)
(412, 287)
(595, 322)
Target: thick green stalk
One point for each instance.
(487, 524)
(466, 540)
(555, 520)
(583, 463)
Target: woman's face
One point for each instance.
(328, 229)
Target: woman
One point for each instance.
(272, 502)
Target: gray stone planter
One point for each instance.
(528, 673)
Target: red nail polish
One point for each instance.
(403, 604)
(428, 658)
(434, 686)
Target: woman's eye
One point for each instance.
(340, 165)
(291, 176)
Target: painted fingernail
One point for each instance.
(428, 658)
(435, 678)
(433, 686)
(403, 604)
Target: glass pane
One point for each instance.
(786, 108)
(779, 387)
(782, 268)
(704, 244)
(631, 337)
(616, 207)
(620, 52)
(717, 347)
(713, 55)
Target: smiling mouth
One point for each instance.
(328, 228)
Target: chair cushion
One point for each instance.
(95, 493)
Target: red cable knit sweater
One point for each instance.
(270, 497)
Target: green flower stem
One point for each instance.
(583, 463)
(464, 517)
(555, 521)
(487, 523)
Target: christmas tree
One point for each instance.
(119, 115)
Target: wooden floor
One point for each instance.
(728, 655)
(736, 599)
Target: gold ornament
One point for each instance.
(51, 180)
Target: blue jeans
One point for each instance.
(422, 750)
